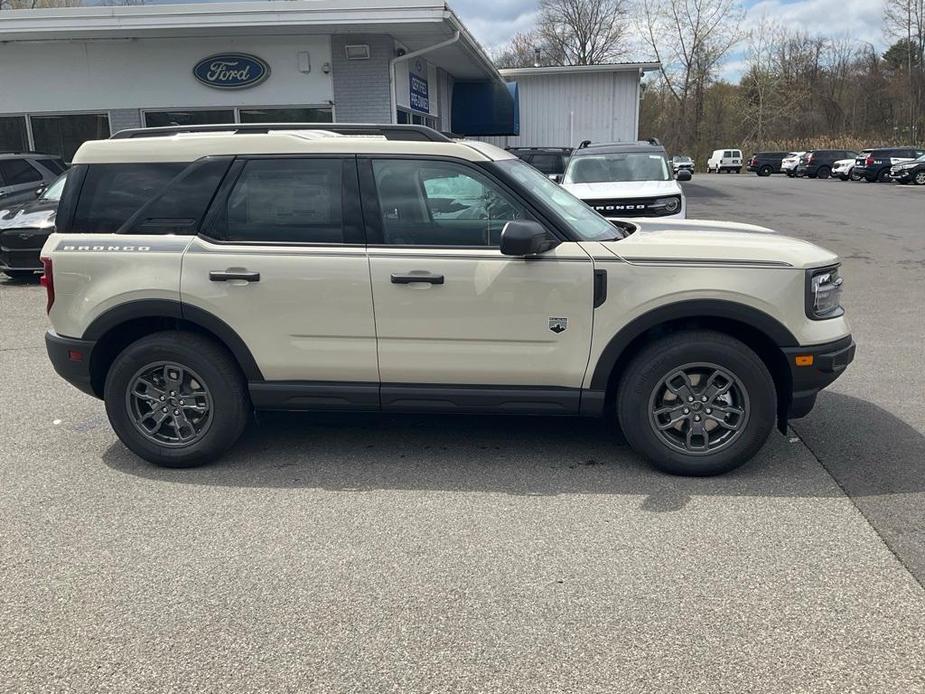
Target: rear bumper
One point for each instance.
(829, 361)
(71, 359)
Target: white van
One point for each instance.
(725, 160)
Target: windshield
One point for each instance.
(617, 168)
(53, 192)
(587, 224)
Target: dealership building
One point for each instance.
(72, 74)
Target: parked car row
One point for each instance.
(900, 164)
(30, 187)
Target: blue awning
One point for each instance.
(486, 108)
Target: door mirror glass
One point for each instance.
(523, 237)
(683, 175)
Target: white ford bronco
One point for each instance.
(199, 273)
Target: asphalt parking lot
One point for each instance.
(368, 553)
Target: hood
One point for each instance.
(621, 191)
(35, 214)
(723, 242)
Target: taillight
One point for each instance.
(48, 281)
(809, 159)
(869, 161)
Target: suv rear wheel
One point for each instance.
(176, 399)
(884, 176)
(697, 403)
(765, 170)
(823, 172)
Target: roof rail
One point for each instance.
(654, 141)
(418, 133)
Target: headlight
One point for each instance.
(664, 206)
(823, 293)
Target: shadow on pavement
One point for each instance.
(534, 456)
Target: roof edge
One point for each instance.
(578, 69)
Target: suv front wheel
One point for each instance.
(176, 399)
(696, 403)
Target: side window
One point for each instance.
(56, 166)
(287, 200)
(16, 172)
(548, 163)
(431, 203)
(112, 193)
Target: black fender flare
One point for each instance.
(175, 310)
(773, 329)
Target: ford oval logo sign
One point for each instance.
(231, 71)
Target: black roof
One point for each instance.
(390, 131)
(650, 145)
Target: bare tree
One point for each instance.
(583, 32)
(690, 38)
(36, 4)
(905, 19)
(526, 50)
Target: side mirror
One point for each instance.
(522, 237)
(684, 175)
(555, 178)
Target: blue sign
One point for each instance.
(231, 71)
(418, 98)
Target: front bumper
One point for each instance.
(905, 175)
(71, 359)
(822, 365)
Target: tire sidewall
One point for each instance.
(654, 364)
(229, 402)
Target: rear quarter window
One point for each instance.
(151, 198)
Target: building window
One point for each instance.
(13, 134)
(64, 134)
(156, 119)
(286, 115)
(413, 118)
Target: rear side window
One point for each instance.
(286, 200)
(548, 163)
(112, 193)
(16, 172)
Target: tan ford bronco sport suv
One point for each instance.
(200, 273)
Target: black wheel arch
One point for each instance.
(765, 335)
(121, 325)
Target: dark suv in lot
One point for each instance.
(819, 162)
(877, 164)
(549, 160)
(24, 228)
(766, 163)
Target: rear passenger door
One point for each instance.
(281, 260)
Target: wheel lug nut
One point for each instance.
(162, 398)
(181, 402)
(709, 411)
(690, 398)
(703, 398)
(176, 411)
(687, 410)
(164, 409)
(697, 418)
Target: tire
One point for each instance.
(643, 386)
(790, 174)
(823, 172)
(854, 176)
(883, 176)
(765, 170)
(739, 170)
(20, 275)
(842, 177)
(919, 178)
(201, 362)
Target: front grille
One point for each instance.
(23, 239)
(627, 207)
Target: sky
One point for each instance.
(493, 22)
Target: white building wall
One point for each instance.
(563, 110)
(155, 73)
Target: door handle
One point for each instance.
(222, 276)
(422, 277)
